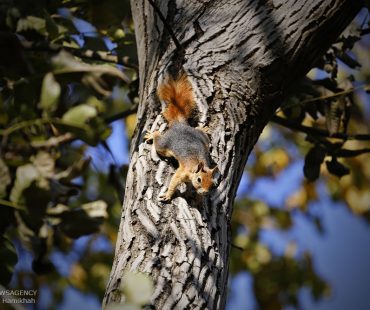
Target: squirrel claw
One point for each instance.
(165, 197)
(149, 136)
(205, 129)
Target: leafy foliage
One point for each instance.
(57, 100)
(68, 70)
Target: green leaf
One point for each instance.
(50, 93)
(77, 223)
(8, 259)
(80, 114)
(137, 287)
(66, 63)
(4, 178)
(75, 170)
(51, 26)
(32, 23)
(44, 163)
(75, 121)
(98, 104)
(83, 132)
(25, 175)
(58, 210)
(84, 221)
(102, 130)
(96, 209)
(36, 199)
(25, 93)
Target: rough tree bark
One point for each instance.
(240, 56)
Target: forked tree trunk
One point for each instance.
(240, 56)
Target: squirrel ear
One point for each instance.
(199, 167)
(214, 170)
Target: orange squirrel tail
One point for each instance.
(178, 95)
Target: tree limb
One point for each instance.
(316, 131)
(81, 53)
(121, 115)
(350, 153)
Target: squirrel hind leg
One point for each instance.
(162, 150)
(159, 142)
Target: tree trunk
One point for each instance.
(240, 57)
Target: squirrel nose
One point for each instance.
(201, 191)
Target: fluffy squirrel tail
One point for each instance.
(178, 95)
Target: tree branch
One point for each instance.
(237, 247)
(350, 153)
(316, 131)
(365, 31)
(81, 53)
(120, 115)
(56, 140)
(345, 92)
(53, 141)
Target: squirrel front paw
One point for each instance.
(149, 136)
(165, 197)
(204, 129)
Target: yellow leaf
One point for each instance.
(358, 200)
(131, 122)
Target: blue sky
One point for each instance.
(341, 255)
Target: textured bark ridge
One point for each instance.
(240, 57)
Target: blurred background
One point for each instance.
(68, 98)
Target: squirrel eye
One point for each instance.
(199, 180)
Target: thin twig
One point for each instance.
(324, 97)
(53, 141)
(121, 115)
(351, 153)
(11, 204)
(81, 53)
(65, 138)
(237, 247)
(316, 131)
(166, 25)
(365, 31)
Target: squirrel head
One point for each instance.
(202, 178)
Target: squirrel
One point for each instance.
(188, 145)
